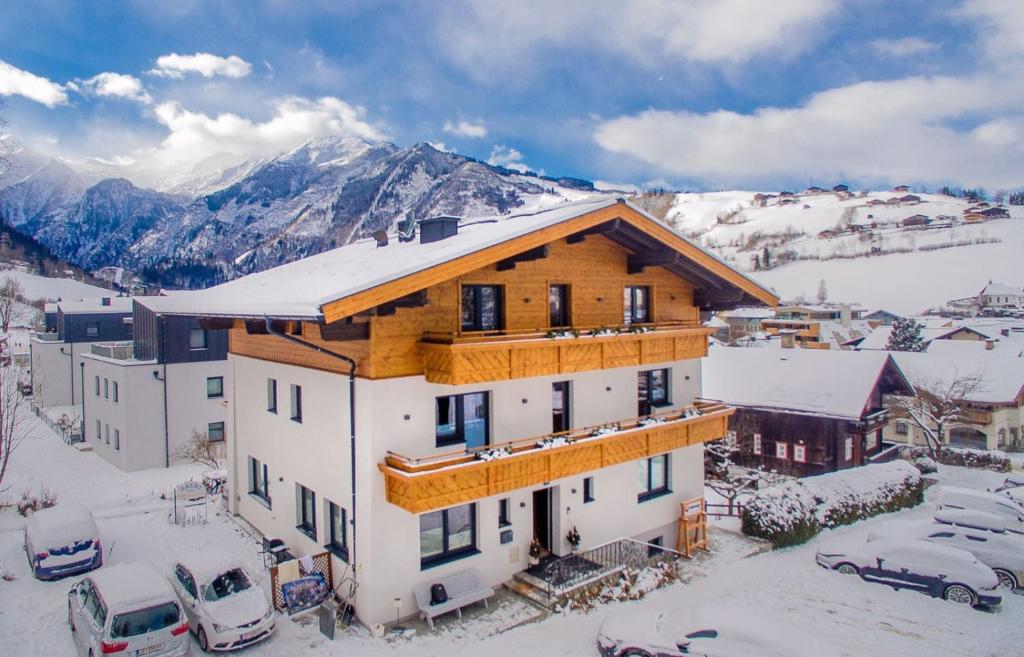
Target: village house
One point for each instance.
(419, 405)
(804, 412)
(915, 220)
(841, 188)
(745, 321)
(882, 317)
(910, 199)
(999, 295)
(901, 188)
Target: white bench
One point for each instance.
(463, 588)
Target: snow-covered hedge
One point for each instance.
(793, 512)
(985, 459)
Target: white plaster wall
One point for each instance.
(51, 370)
(189, 409)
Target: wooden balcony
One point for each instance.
(436, 482)
(499, 356)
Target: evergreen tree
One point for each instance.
(822, 291)
(757, 262)
(1017, 198)
(905, 336)
(766, 259)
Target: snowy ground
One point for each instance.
(835, 615)
(42, 287)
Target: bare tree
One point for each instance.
(12, 302)
(200, 449)
(14, 418)
(725, 477)
(937, 405)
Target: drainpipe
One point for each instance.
(82, 372)
(351, 419)
(162, 356)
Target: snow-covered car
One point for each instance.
(971, 519)
(1011, 481)
(128, 610)
(224, 606)
(907, 563)
(1002, 552)
(1016, 494)
(62, 540)
(978, 500)
(706, 631)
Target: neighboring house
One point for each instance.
(813, 189)
(910, 199)
(841, 188)
(998, 295)
(720, 326)
(803, 412)
(394, 403)
(842, 313)
(916, 220)
(875, 202)
(882, 317)
(878, 339)
(144, 399)
(745, 321)
(56, 372)
(901, 188)
(989, 212)
(50, 317)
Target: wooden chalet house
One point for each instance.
(804, 412)
(423, 404)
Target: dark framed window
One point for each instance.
(654, 546)
(636, 304)
(559, 315)
(259, 481)
(337, 521)
(463, 419)
(560, 407)
(117, 440)
(652, 477)
(99, 431)
(447, 535)
(116, 394)
(215, 432)
(214, 387)
(106, 433)
(482, 308)
(272, 395)
(588, 489)
(296, 400)
(92, 328)
(652, 390)
(97, 385)
(197, 338)
(504, 518)
(106, 388)
(305, 511)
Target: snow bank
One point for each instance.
(793, 512)
(966, 457)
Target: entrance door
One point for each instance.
(542, 518)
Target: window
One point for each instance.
(902, 428)
(305, 511)
(215, 432)
(560, 407)
(106, 388)
(187, 581)
(558, 306)
(272, 395)
(799, 453)
(652, 477)
(106, 433)
(757, 444)
(214, 387)
(116, 395)
(588, 489)
(782, 450)
(337, 520)
(259, 481)
(92, 328)
(99, 432)
(296, 399)
(654, 546)
(636, 304)
(463, 419)
(97, 385)
(503, 513)
(652, 390)
(197, 338)
(447, 535)
(117, 440)
(482, 308)
(848, 449)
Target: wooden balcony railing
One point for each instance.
(435, 482)
(458, 359)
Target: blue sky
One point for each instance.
(697, 94)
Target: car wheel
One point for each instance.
(847, 569)
(1006, 579)
(204, 643)
(959, 594)
(634, 652)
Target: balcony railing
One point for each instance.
(47, 337)
(115, 350)
(442, 480)
(476, 357)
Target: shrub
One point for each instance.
(964, 457)
(794, 512)
(29, 503)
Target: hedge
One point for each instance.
(794, 512)
(965, 457)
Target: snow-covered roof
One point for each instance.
(751, 313)
(129, 584)
(299, 289)
(716, 322)
(1002, 375)
(167, 299)
(117, 305)
(879, 338)
(815, 381)
(993, 289)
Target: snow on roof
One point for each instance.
(821, 382)
(1002, 376)
(117, 305)
(167, 299)
(716, 322)
(999, 288)
(751, 313)
(129, 584)
(930, 335)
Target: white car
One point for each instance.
(224, 606)
(908, 563)
(971, 519)
(950, 497)
(62, 540)
(1002, 552)
(1011, 481)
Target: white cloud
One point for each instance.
(441, 146)
(1002, 23)
(16, 82)
(935, 129)
(508, 157)
(903, 47)
(117, 85)
(466, 129)
(203, 63)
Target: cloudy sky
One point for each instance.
(694, 94)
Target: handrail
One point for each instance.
(465, 337)
(573, 570)
(398, 461)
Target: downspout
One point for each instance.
(162, 356)
(71, 369)
(82, 368)
(351, 419)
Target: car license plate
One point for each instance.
(149, 650)
(250, 635)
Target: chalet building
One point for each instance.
(814, 190)
(910, 199)
(804, 412)
(745, 321)
(843, 313)
(915, 220)
(55, 356)
(882, 317)
(144, 399)
(988, 212)
(878, 339)
(875, 201)
(1000, 295)
(901, 188)
(422, 405)
(841, 188)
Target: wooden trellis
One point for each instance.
(321, 564)
(693, 527)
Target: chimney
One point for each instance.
(788, 338)
(1005, 332)
(990, 345)
(381, 236)
(436, 229)
(105, 301)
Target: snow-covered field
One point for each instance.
(825, 611)
(42, 287)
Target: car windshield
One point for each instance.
(226, 584)
(142, 621)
